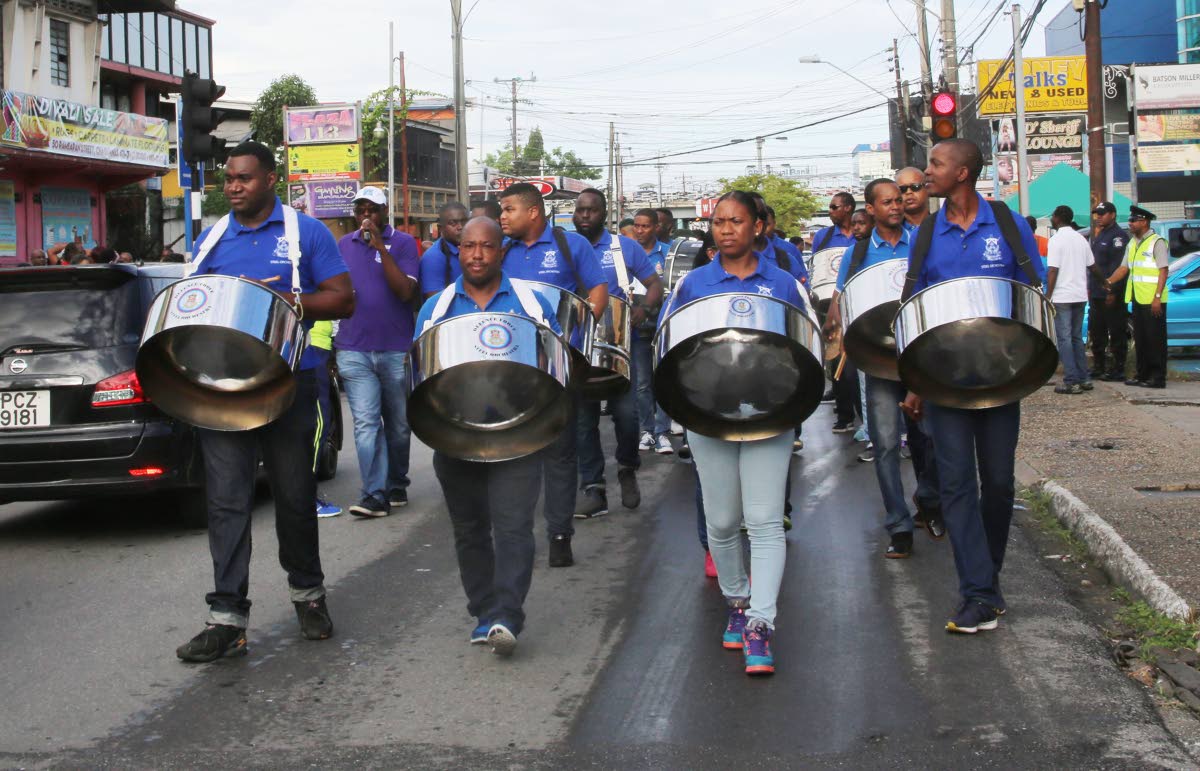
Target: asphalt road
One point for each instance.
(620, 664)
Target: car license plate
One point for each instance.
(24, 409)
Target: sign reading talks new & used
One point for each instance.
(1051, 83)
(55, 126)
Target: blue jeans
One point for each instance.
(591, 454)
(377, 389)
(924, 464)
(976, 452)
(651, 417)
(1068, 328)
(884, 426)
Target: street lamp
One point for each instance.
(759, 149)
(819, 60)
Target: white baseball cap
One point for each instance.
(373, 194)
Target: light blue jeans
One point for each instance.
(744, 481)
(885, 423)
(1068, 328)
(377, 389)
(651, 418)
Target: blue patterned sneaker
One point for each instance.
(732, 639)
(325, 509)
(480, 632)
(756, 648)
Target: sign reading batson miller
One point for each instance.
(1166, 87)
(55, 126)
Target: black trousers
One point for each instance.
(230, 464)
(1150, 343)
(560, 467)
(491, 508)
(847, 403)
(1107, 332)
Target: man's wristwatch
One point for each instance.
(1158, 295)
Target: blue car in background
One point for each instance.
(1183, 301)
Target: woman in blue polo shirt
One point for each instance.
(742, 481)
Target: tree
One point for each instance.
(267, 117)
(375, 113)
(791, 202)
(534, 158)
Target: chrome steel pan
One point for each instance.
(681, 257)
(219, 352)
(868, 305)
(576, 321)
(823, 278)
(976, 342)
(489, 386)
(609, 375)
(738, 366)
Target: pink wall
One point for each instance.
(29, 212)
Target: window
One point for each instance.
(177, 47)
(134, 36)
(60, 58)
(149, 53)
(205, 53)
(189, 42)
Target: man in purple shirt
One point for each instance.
(372, 348)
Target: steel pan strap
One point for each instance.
(214, 235)
(291, 233)
(619, 264)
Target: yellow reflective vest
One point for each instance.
(1143, 270)
(321, 335)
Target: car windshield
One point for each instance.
(69, 308)
(1183, 263)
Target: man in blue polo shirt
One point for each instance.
(591, 209)
(977, 500)
(490, 504)
(775, 244)
(534, 253)
(252, 241)
(655, 423)
(839, 235)
(439, 264)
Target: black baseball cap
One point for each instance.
(1105, 207)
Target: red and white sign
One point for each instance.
(705, 207)
(545, 185)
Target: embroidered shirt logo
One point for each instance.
(1118, 242)
(281, 247)
(991, 249)
(550, 259)
(765, 290)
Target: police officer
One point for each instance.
(1145, 264)
(977, 496)
(252, 241)
(439, 264)
(1108, 313)
(536, 253)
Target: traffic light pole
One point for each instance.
(1019, 83)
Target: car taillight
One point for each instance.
(148, 471)
(118, 390)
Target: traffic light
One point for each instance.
(944, 115)
(197, 120)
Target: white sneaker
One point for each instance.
(663, 446)
(646, 443)
(676, 429)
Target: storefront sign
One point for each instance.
(1051, 83)
(1038, 164)
(1166, 86)
(319, 162)
(1042, 135)
(1151, 158)
(544, 185)
(8, 221)
(81, 131)
(322, 125)
(1168, 127)
(705, 207)
(323, 200)
(66, 217)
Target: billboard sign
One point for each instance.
(46, 125)
(1159, 158)
(323, 200)
(544, 185)
(1048, 134)
(1168, 127)
(324, 161)
(1051, 83)
(322, 125)
(1166, 86)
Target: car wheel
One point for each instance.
(191, 507)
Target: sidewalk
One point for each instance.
(1131, 455)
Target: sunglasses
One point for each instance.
(1136, 218)
(910, 188)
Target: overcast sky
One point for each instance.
(672, 77)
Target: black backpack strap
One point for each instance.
(783, 259)
(825, 239)
(916, 257)
(560, 240)
(1008, 228)
(446, 253)
(858, 255)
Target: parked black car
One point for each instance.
(74, 422)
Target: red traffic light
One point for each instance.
(944, 104)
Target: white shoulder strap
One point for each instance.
(527, 299)
(439, 309)
(291, 232)
(214, 235)
(619, 264)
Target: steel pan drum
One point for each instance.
(576, 321)
(868, 306)
(609, 375)
(218, 352)
(489, 386)
(976, 342)
(738, 366)
(681, 257)
(825, 265)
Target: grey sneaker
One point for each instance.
(215, 641)
(631, 496)
(315, 623)
(593, 503)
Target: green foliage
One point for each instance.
(1154, 630)
(216, 204)
(375, 113)
(267, 117)
(792, 203)
(534, 158)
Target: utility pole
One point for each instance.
(514, 82)
(1097, 157)
(403, 139)
(759, 142)
(901, 106)
(618, 197)
(1018, 81)
(923, 48)
(660, 196)
(611, 168)
(460, 104)
(950, 47)
(391, 134)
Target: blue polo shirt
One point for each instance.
(541, 261)
(637, 263)
(262, 253)
(433, 266)
(665, 246)
(504, 301)
(977, 251)
(795, 261)
(879, 251)
(836, 240)
(712, 279)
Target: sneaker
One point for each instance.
(934, 524)
(663, 446)
(315, 623)
(593, 503)
(710, 567)
(646, 443)
(843, 427)
(631, 496)
(1113, 377)
(900, 548)
(371, 506)
(828, 397)
(676, 429)
(502, 640)
(326, 509)
(904, 451)
(861, 435)
(685, 451)
(1065, 388)
(479, 635)
(1087, 385)
(756, 649)
(787, 522)
(972, 616)
(215, 641)
(732, 638)
(797, 445)
(397, 497)
(867, 455)
(560, 552)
